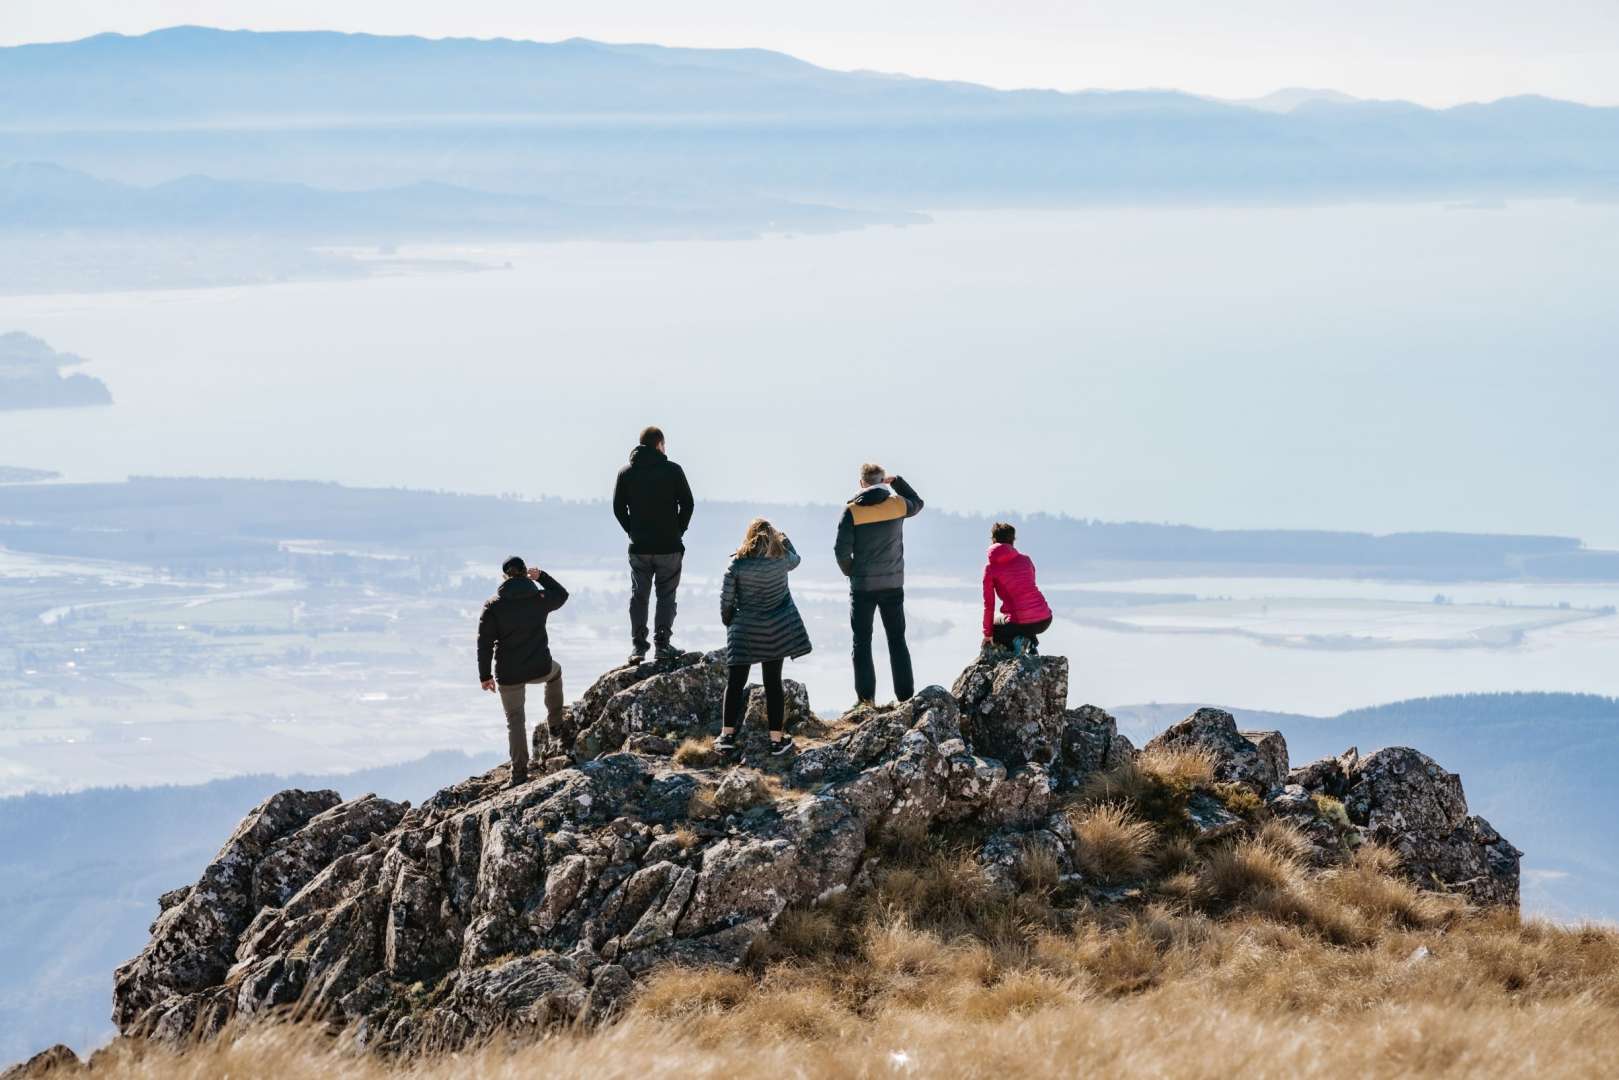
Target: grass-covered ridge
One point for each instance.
(1178, 952)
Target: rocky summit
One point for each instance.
(498, 908)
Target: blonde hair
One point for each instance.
(871, 473)
(761, 539)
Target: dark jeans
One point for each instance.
(1003, 631)
(645, 572)
(736, 694)
(513, 697)
(862, 606)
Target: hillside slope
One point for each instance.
(494, 907)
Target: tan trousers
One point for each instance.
(512, 698)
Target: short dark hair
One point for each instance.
(651, 435)
(514, 567)
(1003, 533)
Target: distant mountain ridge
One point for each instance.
(585, 121)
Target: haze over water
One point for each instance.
(1367, 367)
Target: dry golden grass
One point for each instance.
(1184, 767)
(1235, 961)
(1110, 844)
(1156, 784)
(697, 753)
(1162, 995)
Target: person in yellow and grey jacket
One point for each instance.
(871, 553)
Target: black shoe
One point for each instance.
(783, 746)
(725, 743)
(637, 658)
(517, 780)
(667, 652)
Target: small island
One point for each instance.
(31, 377)
(12, 474)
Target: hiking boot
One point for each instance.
(725, 743)
(637, 658)
(518, 779)
(667, 651)
(783, 746)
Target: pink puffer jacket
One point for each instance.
(1011, 574)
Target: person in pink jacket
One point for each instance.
(1009, 574)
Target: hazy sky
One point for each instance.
(1438, 52)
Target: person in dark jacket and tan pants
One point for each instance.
(653, 505)
(871, 553)
(514, 653)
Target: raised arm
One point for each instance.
(552, 595)
(913, 501)
(793, 558)
(844, 548)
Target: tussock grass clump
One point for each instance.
(1240, 799)
(697, 753)
(1185, 768)
(1111, 845)
(1285, 840)
(686, 992)
(1156, 784)
(701, 806)
(1244, 871)
(1038, 872)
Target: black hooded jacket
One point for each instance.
(511, 632)
(652, 502)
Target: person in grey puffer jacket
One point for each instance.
(762, 626)
(871, 553)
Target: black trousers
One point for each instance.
(736, 694)
(1004, 631)
(663, 571)
(862, 606)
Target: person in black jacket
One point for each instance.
(514, 652)
(653, 504)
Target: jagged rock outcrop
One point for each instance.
(656, 705)
(58, 1061)
(491, 907)
(1402, 798)
(1015, 711)
(1257, 759)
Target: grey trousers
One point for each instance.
(647, 572)
(512, 698)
